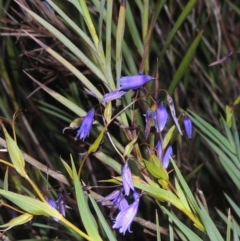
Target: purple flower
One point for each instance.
(61, 204)
(116, 94)
(164, 157)
(160, 117)
(127, 179)
(51, 202)
(188, 126)
(117, 198)
(134, 82)
(86, 125)
(124, 219)
(148, 118)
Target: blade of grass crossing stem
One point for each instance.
(209, 225)
(76, 51)
(119, 37)
(187, 231)
(70, 105)
(89, 22)
(130, 62)
(176, 26)
(185, 187)
(184, 65)
(69, 66)
(86, 216)
(73, 25)
(158, 228)
(133, 30)
(102, 220)
(109, 44)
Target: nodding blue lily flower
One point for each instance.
(164, 157)
(117, 198)
(148, 118)
(127, 179)
(160, 117)
(125, 217)
(86, 125)
(113, 95)
(134, 82)
(188, 126)
(61, 204)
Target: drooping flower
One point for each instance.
(133, 82)
(51, 202)
(127, 179)
(117, 198)
(164, 155)
(188, 126)
(86, 125)
(148, 118)
(113, 95)
(160, 117)
(61, 204)
(125, 217)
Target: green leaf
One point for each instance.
(183, 67)
(108, 112)
(67, 167)
(187, 231)
(229, 115)
(85, 213)
(102, 220)
(15, 154)
(31, 205)
(119, 39)
(209, 225)
(129, 146)
(157, 171)
(24, 218)
(94, 147)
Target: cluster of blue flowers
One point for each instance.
(127, 211)
(59, 204)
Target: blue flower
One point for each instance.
(61, 204)
(116, 94)
(117, 198)
(164, 157)
(125, 217)
(86, 125)
(188, 126)
(160, 117)
(127, 179)
(133, 82)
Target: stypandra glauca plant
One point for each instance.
(129, 123)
